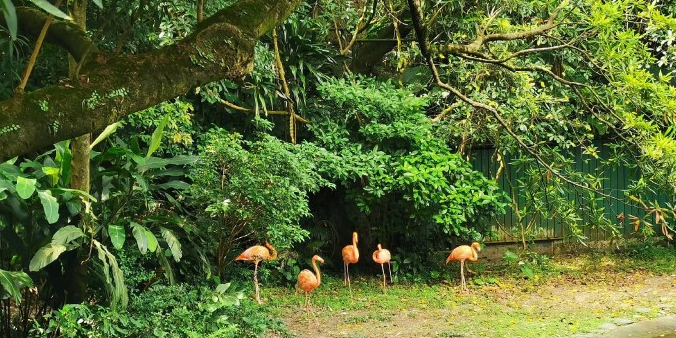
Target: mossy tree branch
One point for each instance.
(110, 87)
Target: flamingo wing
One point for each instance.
(349, 254)
(254, 253)
(307, 280)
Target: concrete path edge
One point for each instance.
(648, 329)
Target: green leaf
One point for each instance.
(156, 138)
(25, 187)
(510, 256)
(99, 3)
(76, 192)
(53, 173)
(139, 232)
(66, 235)
(152, 241)
(9, 12)
(46, 255)
(174, 244)
(221, 288)
(13, 281)
(109, 129)
(51, 9)
(117, 235)
(50, 206)
(178, 185)
(527, 271)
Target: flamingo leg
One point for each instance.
(307, 300)
(258, 292)
(462, 276)
(349, 285)
(344, 273)
(382, 267)
(389, 268)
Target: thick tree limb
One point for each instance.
(111, 87)
(64, 34)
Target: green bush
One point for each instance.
(164, 311)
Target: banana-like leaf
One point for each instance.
(156, 138)
(106, 132)
(140, 234)
(13, 281)
(117, 235)
(66, 235)
(114, 278)
(49, 205)
(46, 255)
(174, 244)
(9, 12)
(51, 9)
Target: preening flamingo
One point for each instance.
(256, 254)
(462, 253)
(350, 255)
(382, 256)
(307, 281)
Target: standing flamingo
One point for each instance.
(382, 256)
(256, 254)
(307, 281)
(462, 253)
(350, 255)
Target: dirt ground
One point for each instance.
(565, 305)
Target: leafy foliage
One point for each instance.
(163, 311)
(259, 187)
(390, 157)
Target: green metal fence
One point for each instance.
(615, 182)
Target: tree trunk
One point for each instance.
(76, 271)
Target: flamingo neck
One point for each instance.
(317, 273)
(475, 255)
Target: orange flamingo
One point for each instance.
(256, 254)
(307, 281)
(462, 253)
(350, 255)
(382, 256)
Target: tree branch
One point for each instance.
(112, 87)
(417, 17)
(482, 39)
(66, 35)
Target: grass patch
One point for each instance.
(573, 294)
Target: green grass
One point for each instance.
(571, 295)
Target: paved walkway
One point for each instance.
(660, 327)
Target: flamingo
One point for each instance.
(462, 253)
(382, 256)
(307, 281)
(350, 255)
(256, 254)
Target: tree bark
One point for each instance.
(110, 87)
(76, 268)
(369, 54)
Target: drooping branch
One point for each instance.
(110, 87)
(421, 34)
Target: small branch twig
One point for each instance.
(36, 50)
(285, 86)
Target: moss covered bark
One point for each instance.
(110, 87)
